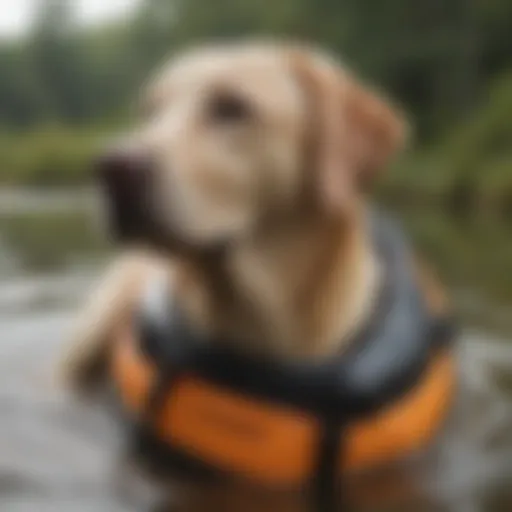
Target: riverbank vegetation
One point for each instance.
(64, 88)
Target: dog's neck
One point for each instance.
(295, 292)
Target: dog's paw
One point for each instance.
(85, 365)
(82, 369)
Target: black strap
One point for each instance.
(326, 491)
(143, 437)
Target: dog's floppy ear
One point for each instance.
(352, 132)
(376, 131)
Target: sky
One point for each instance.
(15, 15)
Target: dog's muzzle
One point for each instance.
(126, 177)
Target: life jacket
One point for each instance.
(204, 408)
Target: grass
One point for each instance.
(50, 240)
(50, 156)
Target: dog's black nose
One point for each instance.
(125, 175)
(124, 170)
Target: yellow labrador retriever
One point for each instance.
(245, 187)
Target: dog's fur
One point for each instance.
(255, 208)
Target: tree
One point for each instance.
(56, 59)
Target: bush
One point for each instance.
(485, 140)
(472, 170)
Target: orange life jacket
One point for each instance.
(284, 424)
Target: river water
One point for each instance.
(59, 456)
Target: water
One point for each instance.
(58, 455)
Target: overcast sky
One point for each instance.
(15, 15)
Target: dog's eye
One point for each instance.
(228, 108)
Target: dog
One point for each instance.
(246, 186)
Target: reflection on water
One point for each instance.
(48, 256)
(46, 235)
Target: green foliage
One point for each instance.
(489, 132)
(439, 58)
(435, 56)
(479, 155)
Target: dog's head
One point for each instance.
(237, 137)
